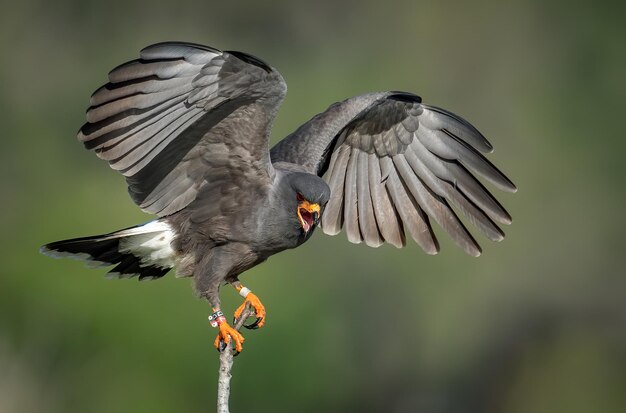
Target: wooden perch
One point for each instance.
(226, 364)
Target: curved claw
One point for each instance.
(221, 346)
(259, 309)
(225, 335)
(255, 325)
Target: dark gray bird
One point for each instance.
(188, 127)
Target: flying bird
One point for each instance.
(188, 127)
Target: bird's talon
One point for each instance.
(259, 310)
(255, 325)
(224, 337)
(221, 346)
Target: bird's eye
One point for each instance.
(299, 197)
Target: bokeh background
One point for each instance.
(537, 324)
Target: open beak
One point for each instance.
(308, 214)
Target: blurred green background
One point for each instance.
(537, 324)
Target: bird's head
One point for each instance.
(308, 213)
(311, 194)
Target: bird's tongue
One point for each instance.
(307, 219)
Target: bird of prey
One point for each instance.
(188, 126)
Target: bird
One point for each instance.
(188, 127)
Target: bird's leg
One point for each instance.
(226, 332)
(259, 308)
(217, 319)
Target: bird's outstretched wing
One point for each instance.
(181, 114)
(392, 164)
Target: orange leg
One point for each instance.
(251, 298)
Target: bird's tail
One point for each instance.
(143, 251)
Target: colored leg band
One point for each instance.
(217, 318)
(244, 292)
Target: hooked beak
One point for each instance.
(308, 215)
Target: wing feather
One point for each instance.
(436, 207)
(110, 131)
(446, 191)
(112, 92)
(350, 199)
(162, 69)
(384, 210)
(150, 148)
(448, 147)
(413, 217)
(123, 145)
(367, 221)
(457, 176)
(135, 102)
(194, 53)
(435, 118)
(332, 220)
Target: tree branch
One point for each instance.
(226, 364)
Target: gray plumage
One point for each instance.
(180, 113)
(188, 127)
(428, 153)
